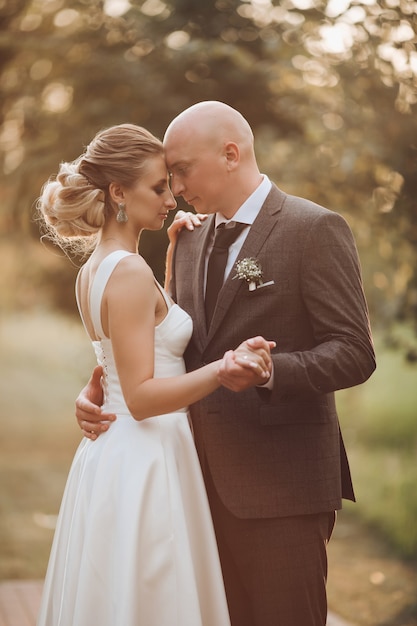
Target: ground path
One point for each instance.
(368, 584)
(19, 602)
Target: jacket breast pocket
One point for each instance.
(267, 289)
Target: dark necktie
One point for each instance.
(223, 239)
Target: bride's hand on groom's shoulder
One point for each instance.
(184, 219)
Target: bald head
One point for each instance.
(215, 120)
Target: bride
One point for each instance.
(134, 543)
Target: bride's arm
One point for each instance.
(182, 219)
(129, 304)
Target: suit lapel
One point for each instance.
(258, 234)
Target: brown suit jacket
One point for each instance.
(280, 452)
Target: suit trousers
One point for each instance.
(274, 569)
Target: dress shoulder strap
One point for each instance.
(164, 294)
(102, 275)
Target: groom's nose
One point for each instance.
(177, 187)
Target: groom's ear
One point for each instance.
(232, 154)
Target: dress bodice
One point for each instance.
(171, 338)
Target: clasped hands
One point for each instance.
(249, 365)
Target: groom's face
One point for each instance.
(197, 167)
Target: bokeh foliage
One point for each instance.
(329, 87)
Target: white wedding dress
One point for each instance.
(134, 543)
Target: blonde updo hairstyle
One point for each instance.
(75, 204)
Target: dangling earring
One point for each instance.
(121, 216)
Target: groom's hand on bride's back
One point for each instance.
(90, 417)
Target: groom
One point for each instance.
(273, 457)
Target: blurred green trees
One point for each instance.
(329, 87)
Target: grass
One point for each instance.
(379, 421)
(46, 359)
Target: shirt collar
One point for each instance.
(249, 210)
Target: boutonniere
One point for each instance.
(250, 270)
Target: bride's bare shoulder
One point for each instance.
(132, 272)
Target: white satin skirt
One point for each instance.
(134, 543)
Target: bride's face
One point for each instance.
(149, 201)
